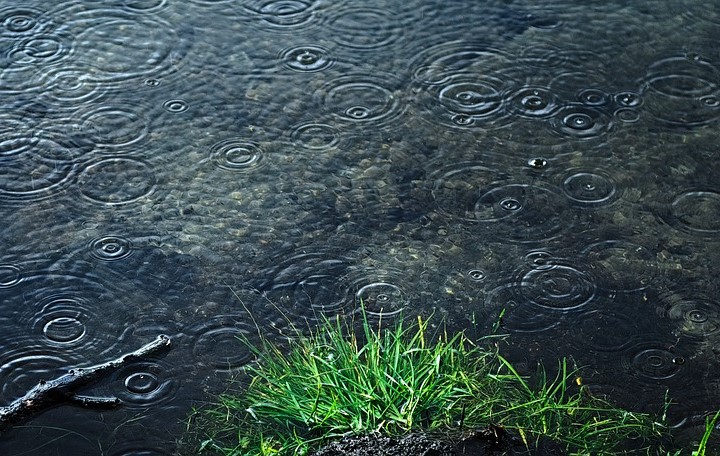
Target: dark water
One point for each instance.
(556, 159)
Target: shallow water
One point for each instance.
(176, 167)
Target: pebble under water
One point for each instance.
(196, 168)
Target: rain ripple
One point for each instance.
(285, 14)
(695, 212)
(117, 181)
(621, 265)
(652, 362)
(363, 99)
(521, 212)
(364, 27)
(218, 342)
(118, 46)
(683, 91)
(694, 314)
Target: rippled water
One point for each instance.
(191, 168)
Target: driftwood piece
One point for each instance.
(48, 393)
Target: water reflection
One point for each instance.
(214, 170)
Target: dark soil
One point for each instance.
(492, 441)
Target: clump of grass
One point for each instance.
(339, 381)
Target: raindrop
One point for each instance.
(176, 106)
(537, 163)
(64, 330)
(19, 20)
(111, 248)
(682, 76)
(306, 59)
(627, 115)
(117, 181)
(236, 154)
(142, 383)
(151, 82)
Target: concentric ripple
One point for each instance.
(218, 341)
(558, 287)
(590, 188)
(236, 154)
(113, 127)
(621, 265)
(532, 102)
(306, 59)
(117, 181)
(605, 330)
(379, 292)
(316, 136)
(121, 47)
(69, 87)
(364, 27)
(10, 275)
(363, 99)
(683, 91)
(579, 121)
(310, 287)
(111, 248)
(284, 14)
(18, 21)
(28, 176)
(519, 315)
(476, 193)
(695, 212)
(653, 362)
(145, 384)
(696, 314)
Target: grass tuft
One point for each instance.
(393, 380)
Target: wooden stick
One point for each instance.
(48, 393)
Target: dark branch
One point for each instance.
(48, 393)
